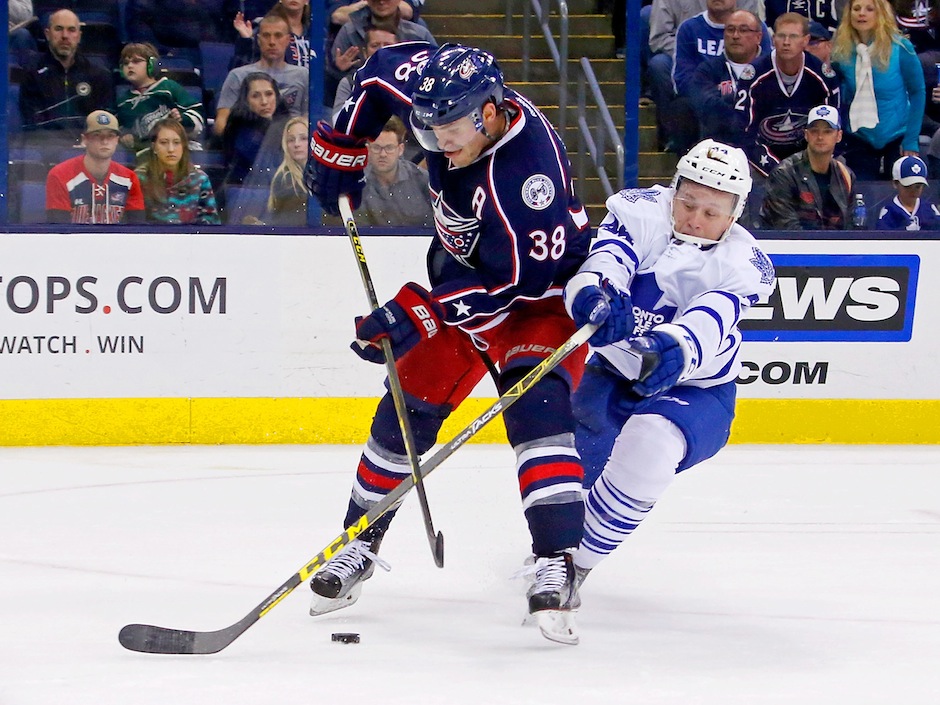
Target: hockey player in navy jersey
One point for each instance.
(676, 274)
(780, 90)
(908, 209)
(510, 233)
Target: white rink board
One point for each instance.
(289, 306)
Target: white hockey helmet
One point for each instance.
(719, 166)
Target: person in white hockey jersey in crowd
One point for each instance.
(908, 209)
(669, 275)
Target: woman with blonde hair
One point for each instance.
(175, 190)
(883, 86)
(287, 202)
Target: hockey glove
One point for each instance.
(607, 306)
(663, 363)
(336, 166)
(412, 316)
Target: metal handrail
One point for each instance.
(595, 141)
(558, 50)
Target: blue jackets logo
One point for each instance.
(837, 298)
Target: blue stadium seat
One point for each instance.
(32, 202)
(216, 56)
(27, 170)
(26, 154)
(241, 201)
(208, 158)
(14, 118)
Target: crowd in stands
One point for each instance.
(209, 101)
(750, 74)
(185, 111)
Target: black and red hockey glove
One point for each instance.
(412, 316)
(336, 166)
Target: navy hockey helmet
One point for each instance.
(457, 81)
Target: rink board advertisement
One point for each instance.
(225, 338)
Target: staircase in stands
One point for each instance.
(590, 36)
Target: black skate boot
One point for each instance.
(339, 583)
(553, 597)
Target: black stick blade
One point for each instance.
(157, 640)
(439, 550)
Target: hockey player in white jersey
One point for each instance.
(669, 275)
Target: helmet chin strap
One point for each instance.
(481, 128)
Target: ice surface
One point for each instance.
(795, 575)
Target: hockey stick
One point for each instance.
(163, 640)
(435, 540)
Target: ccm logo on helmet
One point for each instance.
(343, 160)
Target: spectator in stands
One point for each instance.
(292, 81)
(396, 191)
(251, 143)
(702, 36)
(376, 38)
(174, 27)
(823, 12)
(287, 202)
(297, 15)
(785, 86)
(61, 86)
(697, 38)
(339, 11)
(908, 209)
(665, 18)
(175, 190)
(820, 43)
(714, 87)
(250, 10)
(348, 49)
(883, 86)
(919, 20)
(152, 99)
(810, 190)
(20, 41)
(91, 188)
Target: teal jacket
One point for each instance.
(899, 92)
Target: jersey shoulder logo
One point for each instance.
(632, 195)
(538, 192)
(747, 73)
(827, 70)
(763, 265)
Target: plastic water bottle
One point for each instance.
(859, 213)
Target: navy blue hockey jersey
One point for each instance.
(775, 118)
(823, 11)
(510, 223)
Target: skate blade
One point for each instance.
(558, 626)
(325, 605)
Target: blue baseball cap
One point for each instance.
(818, 31)
(909, 171)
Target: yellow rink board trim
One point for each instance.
(346, 420)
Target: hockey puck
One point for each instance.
(345, 637)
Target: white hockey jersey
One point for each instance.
(704, 291)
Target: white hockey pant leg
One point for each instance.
(641, 466)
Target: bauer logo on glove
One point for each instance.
(341, 160)
(412, 316)
(426, 318)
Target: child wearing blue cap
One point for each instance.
(909, 210)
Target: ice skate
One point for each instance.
(339, 583)
(553, 596)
